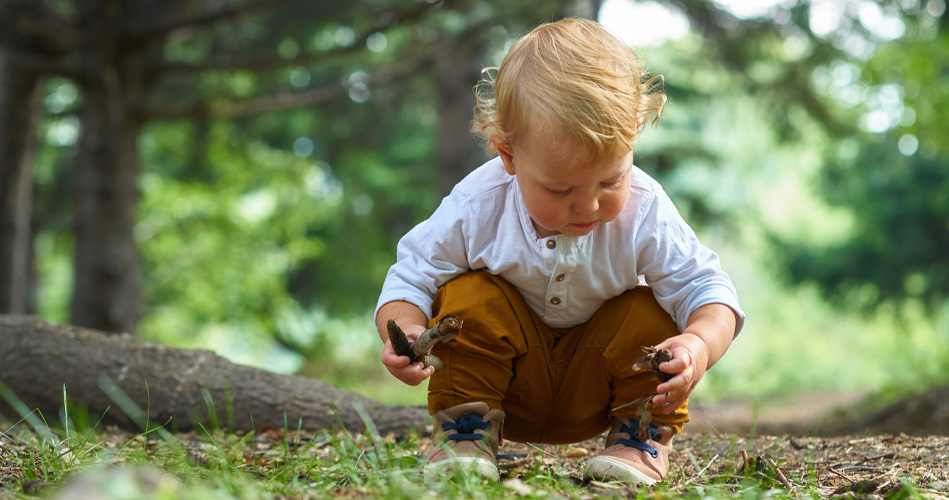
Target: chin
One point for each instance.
(578, 231)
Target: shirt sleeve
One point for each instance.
(428, 256)
(683, 273)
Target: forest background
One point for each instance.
(235, 176)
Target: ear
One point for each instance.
(505, 152)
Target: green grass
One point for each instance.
(211, 463)
(107, 463)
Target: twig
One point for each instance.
(781, 477)
(639, 400)
(446, 329)
(538, 448)
(865, 468)
(868, 459)
(651, 361)
(699, 474)
(838, 474)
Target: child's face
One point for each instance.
(563, 192)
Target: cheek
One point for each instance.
(612, 204)
(547, 211)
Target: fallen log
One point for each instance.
(185, 387)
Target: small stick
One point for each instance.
(447, 329)
(838, 473)
(699, 474)
(651, 362)
(781, 477)
(637, 401)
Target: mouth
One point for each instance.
(584, 225)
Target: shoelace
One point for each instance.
(466, 425)
(634, 442)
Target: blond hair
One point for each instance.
(568, 77)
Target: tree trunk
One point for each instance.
(40, 358)
(107, 293)
(457, 152)
(17, 88)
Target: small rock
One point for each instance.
(518, 487)
(33, 486)
(125, 481)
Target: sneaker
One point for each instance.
(629, 459)
(465, 437)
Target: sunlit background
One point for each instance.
(265, 238)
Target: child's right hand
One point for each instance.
(399, 366)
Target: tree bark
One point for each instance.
(41, 358)
(457, 152)
(17, 89)
(107, 293)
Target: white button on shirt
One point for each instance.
(484, 225)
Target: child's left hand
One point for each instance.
(690, 357)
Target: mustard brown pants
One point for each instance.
(554, 385)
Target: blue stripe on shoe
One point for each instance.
(466, 425)
(634, 442)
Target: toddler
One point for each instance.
(563, 260)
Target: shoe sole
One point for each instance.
(435, 472)
(609, 469)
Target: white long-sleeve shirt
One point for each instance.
(484, 225)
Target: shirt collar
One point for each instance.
(527, 224)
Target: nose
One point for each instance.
(586, 205)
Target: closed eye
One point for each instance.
(560, 194)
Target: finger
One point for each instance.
(673, 405)
(388, 351)
(669, 401)
(665, 344)
(675, 365)
(678, 383)
(408, 375)
(681, 358)
(393, 360)
(418, 368)
(661, 398)
(418, 375)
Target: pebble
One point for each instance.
(577, 452)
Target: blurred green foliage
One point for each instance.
(894, 183)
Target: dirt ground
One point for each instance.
(834, 466)
(828, 441)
